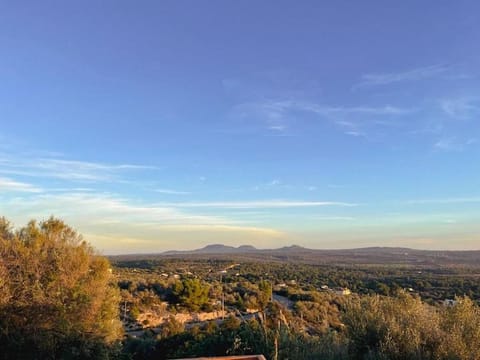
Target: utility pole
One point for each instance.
(271, 291)
(223, 306)
(223, 297)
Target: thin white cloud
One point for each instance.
(71, 170)
(9, 185)
(171, 192)
(279, 116)
(334, 218)
(221, 228)
(356, 110)
(420, 73)
(262, 204)
(355, 133)
(455, 200)
(278, 127)
(119, 225)
(463, 108)
(102, 207)
(453, 144)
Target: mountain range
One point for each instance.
(295, 253)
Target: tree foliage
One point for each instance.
(54, 290)
(404, 327)
(191, 293)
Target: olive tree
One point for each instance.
(54, 288)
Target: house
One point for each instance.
(342, 291)
(449, 302)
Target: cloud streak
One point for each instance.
(278, 116)
(9, 185)
(171, 192)
(116, 224)
(463, 108)
(63, 169)
(455, 200)
(262, 204)
(453, 144)
(420, 73)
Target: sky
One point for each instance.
(158, 125)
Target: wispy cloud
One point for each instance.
(463, 108)
(274, 184)
(220, 228)
(116, 224)
(171, 192)
(104, 208)
(279, 116)
(274, 115)
(9, 185)
(334, 218)
(453, 144)
(454, 200)
(355, 110)
(63, 169)
(420, 73)
(262, 204)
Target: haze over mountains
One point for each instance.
(295, 253)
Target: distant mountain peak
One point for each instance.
(292, 248)
(215, 248)
(247, 248)
(220, 248)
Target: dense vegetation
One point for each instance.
(61, 300)
(393, 313)
(57, 300)
(433, 283)
(374, 327)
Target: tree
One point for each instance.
(191, 293)
(54, 290)
(462, 324)
(172, 327)
(401, 327)
(265, 293)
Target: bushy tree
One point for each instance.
(54, 291)
(191, 293)
(172, 327)
(392, 327)
(265, 293)
(461, 323)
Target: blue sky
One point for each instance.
(171, 125)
